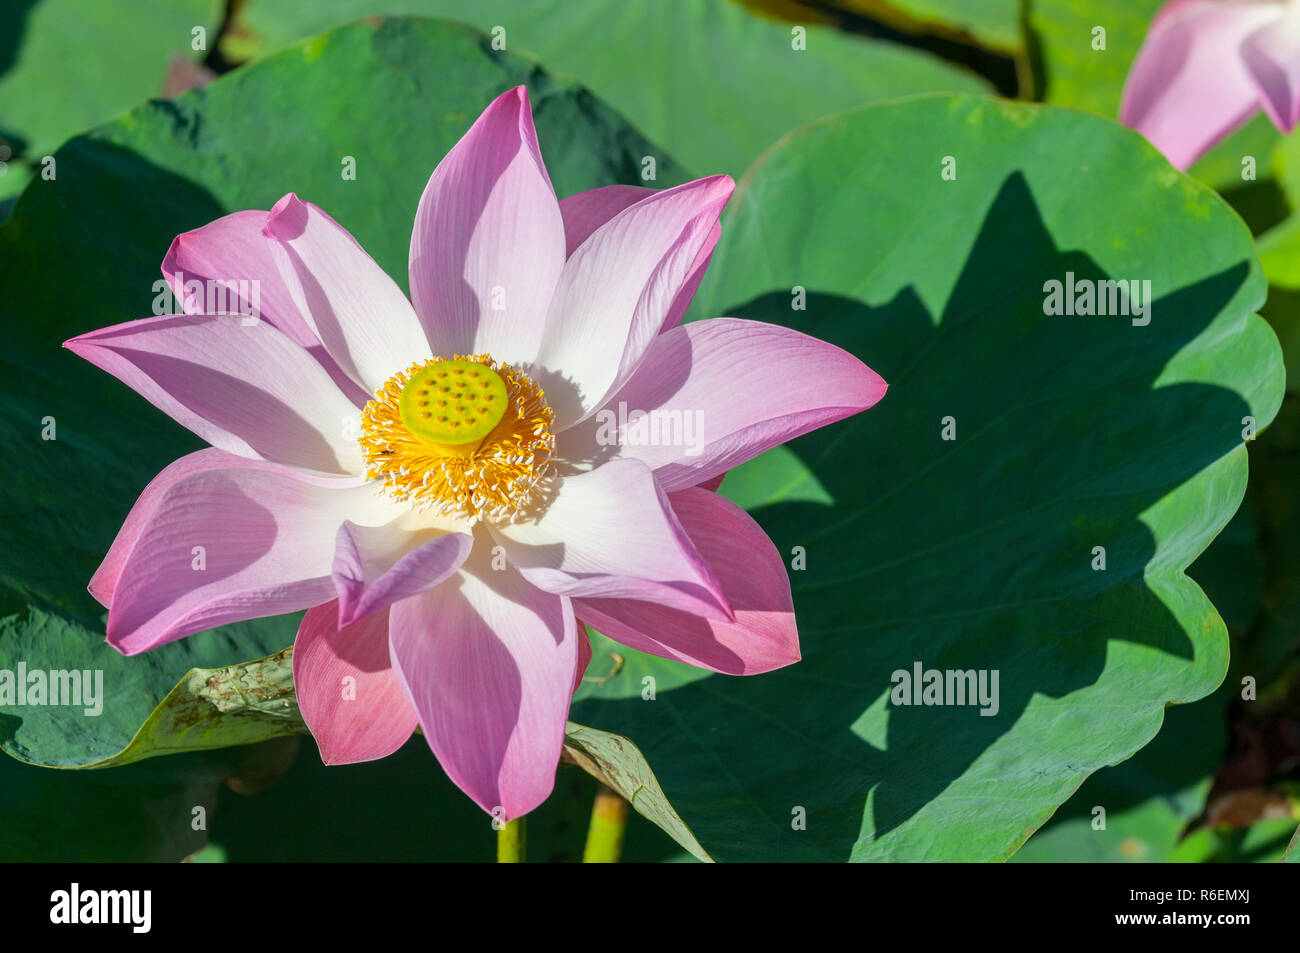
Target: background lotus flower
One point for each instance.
(447, 575)
(1207, 66)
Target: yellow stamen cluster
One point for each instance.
(492, 478)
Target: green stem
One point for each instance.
(608, 824)
(511, 841)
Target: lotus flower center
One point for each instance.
(453, 402)
(466, 437)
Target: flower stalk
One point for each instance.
(511, 841)
(608, 825)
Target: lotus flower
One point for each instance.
(450, 484)
(1207, 66)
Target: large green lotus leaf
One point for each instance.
(142, 813)
(1292, 853)
(68, 65)
(156, 811)
(1071, 432)
(1149, 800)
(105, 712)
(83, 250)
(1073, 73)
(706, 79)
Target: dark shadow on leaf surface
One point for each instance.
(84, 479)
(1012, 507)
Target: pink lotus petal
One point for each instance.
(357, 311)
(232, 250)
(584, 653)
(246, 389)
(686, 294)
(722, 391)
(347, 692)
(488, 243)
(585, 212)
(375, 566)
(611, 533)
(104, 581)
(489, 663)
(414, 619)
(713, 483)
(762, 637)
(1272, 57)
(1172, 9)
(619, 289)
(1188, 87)
(226, 545)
